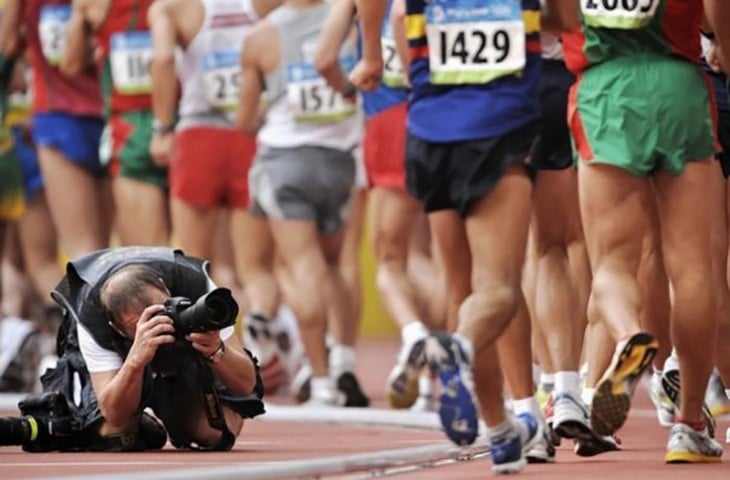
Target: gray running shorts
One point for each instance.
(304, 183)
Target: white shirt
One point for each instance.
(99, 359)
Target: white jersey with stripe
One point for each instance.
(209, 68)
(302, 109)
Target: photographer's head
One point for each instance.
(126, 294)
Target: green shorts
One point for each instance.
(125, 145)
(642, 113)
(12, 200)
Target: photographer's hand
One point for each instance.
(153, 330)
(207, 343)
(233, 367)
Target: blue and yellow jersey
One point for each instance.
(474, 67)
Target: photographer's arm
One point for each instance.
(119, 391)
(234, 368)
(119, 394)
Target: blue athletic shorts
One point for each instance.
(26, 155)
(76, 137)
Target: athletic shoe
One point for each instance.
(715, 397)
(457, 408)
(314, 402)
(543, 451)
(597, 445)
(548, 412)
(612, 400)
(402, 389)
(662, 403)
(672, 387)
(509, 454)
(570, 418)
(425, 402)
(20, 355)
(258, 338)
(301, 388)
(687, 445)
(349, 387)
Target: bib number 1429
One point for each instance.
(473, 41)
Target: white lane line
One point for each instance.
(378, 463)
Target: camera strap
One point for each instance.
(212, 405)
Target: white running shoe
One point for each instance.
(543, 451)
(402, 387)
(662, 403)
(687, 445)
(672, 387)
(715, 397)
(570, 417)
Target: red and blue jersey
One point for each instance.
(45, 23)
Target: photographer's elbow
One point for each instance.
(243, 385)
(112, 414)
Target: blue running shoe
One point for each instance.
(457, 410)
(509, 453)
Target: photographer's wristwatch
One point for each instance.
(216, 356)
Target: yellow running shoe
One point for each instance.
(612, 400)
(687, 445)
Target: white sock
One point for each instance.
(567, 382)
(547, 382)
(528, 405)
(500, 431)
(413, 332)
(727, 393)
(322, 388)
(425, 385)
(466, 345)
(587, 395)
(341, 360)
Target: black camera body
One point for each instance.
(215, 310)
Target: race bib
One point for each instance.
(619, 14)
(131, 53)
(393, 68)
(471, 41)
(312, 99)
(222, 77)
(53, 29)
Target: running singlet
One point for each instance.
(303, 109)
(209, 68)
(619, 28)
(125, 51)
(391, 90)
(46, 26)
(474, 69)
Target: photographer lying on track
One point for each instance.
(146, 328)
